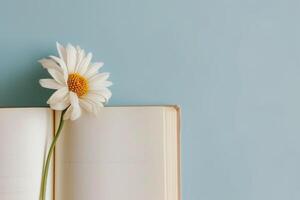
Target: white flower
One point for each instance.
(76, 81)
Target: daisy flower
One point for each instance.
(77, 82)
(78, 86)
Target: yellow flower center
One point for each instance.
(78, 84)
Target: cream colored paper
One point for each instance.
(24, 133)
(127, 153)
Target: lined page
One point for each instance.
(24, 133)
(117, 155)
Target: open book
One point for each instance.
(128, 153)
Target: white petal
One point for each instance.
(99, 77)
(95, 97)
(80, 56)
(102, 92)
(84, 64)
(58, 96)
(58, 76)
(97, 108)
(96, 105)
(97, 85)
(50, 83)
(86, 105)
(76, 110)
(62, 64)
(59, 61)
(93, 69)
(61, 52)
(99, 81)
(68, 113)
(107, 83)
(71, 58)
(50, 64)
(61, 105)
(106, 93)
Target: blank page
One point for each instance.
(24, 133)
(117, 155)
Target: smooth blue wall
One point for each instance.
(232, 65)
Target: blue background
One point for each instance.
(232, 65)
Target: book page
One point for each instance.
(24, 133)
(117, 155)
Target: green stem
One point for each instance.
(49, 156)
